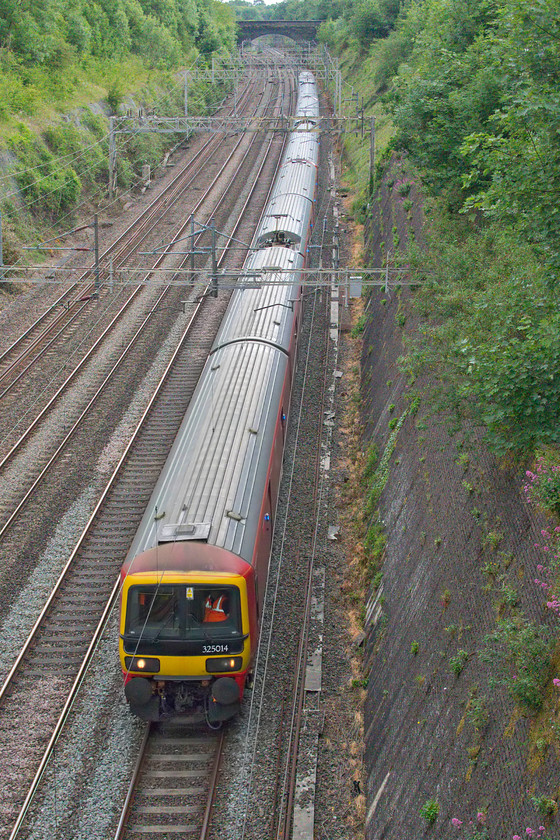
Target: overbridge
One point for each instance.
(298, 30)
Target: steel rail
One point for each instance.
(108, 608)
(24, 437)
(149, 213)
(293, 714)
(109, 485)
(133, 782)
(284, 799)
(115, 590)
(119, 465)
(213, 785)
(66, 710)
(120, 831)
(290, 775)
(135, 785)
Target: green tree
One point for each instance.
(368, 23)
(518, 154)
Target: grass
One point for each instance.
(356, 147)
(80, 86)
(58, 164)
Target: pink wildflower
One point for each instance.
(556, 682)
(456, 822)
(481, 817)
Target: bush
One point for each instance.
(368, 23)
(67, 140)
(430, 811)
(543, 485)
(477, 713)
(359, 326)
(374, 545)
(114, 96)
(521, 654)
(46, 183)
(545, 805)
(458, 662)
(491, 330)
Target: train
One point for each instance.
(193, 581)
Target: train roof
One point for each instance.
(289, 211)
(184, 556)
(263, 313)
(219, 461)
(302, 146)
(288, 217)
(209, 494)
(308, 98)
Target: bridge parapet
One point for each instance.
(299, 30)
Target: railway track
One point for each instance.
(66, 335)
(66, 633)
(173, 785)
(136, 342)
(274, 782)
(274, 754)
(277, 742)
(50, 324)
(72, 620)
(285, 712)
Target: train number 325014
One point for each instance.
(215, 648)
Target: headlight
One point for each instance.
(224, 664)
(141, 663)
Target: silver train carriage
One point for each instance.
(307, 111)
(208, 527)
(290, 210)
